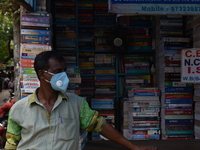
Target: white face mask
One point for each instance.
(59, 81)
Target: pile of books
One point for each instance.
(196, 110)
(144, 113)
(35, 38)
(177, 97)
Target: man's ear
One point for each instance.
(41, 74)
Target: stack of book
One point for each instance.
(196, 110)
(124, 118)
(85, 14)
(105, 89)
(190, 27)
(35, 38)
(64, 11)
(103, 38)
(177, 98)
(139, 42)
(136, 63)
(101, 15)
(177, 112)
(70, 59)
(74, 76)
(136, 21)
(105, 64)
(171, 25)
(137, 33)
(86, 39)
(194, 24)
(86, 64)
(65, 37)
(144, 113)
(85, 18)
(135, 81)
(65, 19)
(83, 138)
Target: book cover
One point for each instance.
(179, 127)
(36, 39)
(170, 132)
(37, 14)
(178, 96)
(178, 89)
(35, 32)
(176, 39)
(150, 90)
(153, 118)
(146, 128)
(177, 84)
(178, 112)
(145, 114)
(28, 77)
(146, 109)
(178, 116)
(145, 137)
(178, 105)
(35, 24)
(149, 98)
(35, 19)
(145, 93)
(35, 27)
(143, 132)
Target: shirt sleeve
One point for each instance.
(13, 134)
(90, 119)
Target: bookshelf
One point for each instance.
(87, 36)
(177, 97)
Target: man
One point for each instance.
(50, 118)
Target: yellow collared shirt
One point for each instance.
(30, 126)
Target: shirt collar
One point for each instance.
(33, 97)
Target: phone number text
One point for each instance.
(185, 8)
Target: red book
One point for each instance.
(177, 96)
(178, 112)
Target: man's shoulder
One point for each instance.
(73, 97)
(22, 102)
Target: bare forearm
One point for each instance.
(112, 134)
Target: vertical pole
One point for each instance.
(16, 40)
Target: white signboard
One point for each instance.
(190, 65)
(155, 7)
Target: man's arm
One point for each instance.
(10, 147)
(112, 134)
(13, 134)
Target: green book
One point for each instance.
(169, 132)
(178, 116)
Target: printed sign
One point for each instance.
(155, 7)
(190, 65)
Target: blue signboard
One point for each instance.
(155, 7)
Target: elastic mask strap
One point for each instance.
(47, 80)
(49, 72)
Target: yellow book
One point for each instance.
(105, 71)
(33, 50)
(85, 5)
(85, 64)
(105, 83)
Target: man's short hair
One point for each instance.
(42, 60)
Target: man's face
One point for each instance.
(55, 67)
